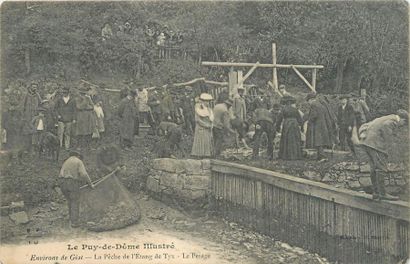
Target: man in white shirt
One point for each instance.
(72, 175)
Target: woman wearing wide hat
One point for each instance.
(290, 146)
(202, 146)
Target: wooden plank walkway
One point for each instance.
(343, 225)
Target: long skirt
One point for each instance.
(290, 147)
(202, 146)
(86, 123)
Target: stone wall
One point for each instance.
(187, 179)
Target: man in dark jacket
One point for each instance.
(265, 121)
(345, 121)
(155, 106)
(127, 111)
(188, 110)
(66, 116)
(318, 133)
(221, 125)
(374, 138)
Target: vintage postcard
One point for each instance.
(206, 132)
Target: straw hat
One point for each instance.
(205, 97)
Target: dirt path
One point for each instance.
(205, 240)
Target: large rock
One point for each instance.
(192, 166)
(365, 181)
(195, 182)
(206, 164)
(352, 167)
(168, 165)
(19, 218)
(153, 184)
(172, 180)
(354, 184)
(365, 168)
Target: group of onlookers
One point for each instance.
(66, 116)
(212, 121)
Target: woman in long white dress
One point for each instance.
(202, 146)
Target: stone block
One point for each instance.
(195, 182)
(396, 167)
(192, 166)
(206, 164)
(365, 181)
(153, 184)
(352, 167)
(168, 165)
(354, 184)
(172, 180)
(19, 218)
(365, 168)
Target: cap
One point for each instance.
(403, 114)
(76, 152)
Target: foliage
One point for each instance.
(361, 44)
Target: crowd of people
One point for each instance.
(214, 123)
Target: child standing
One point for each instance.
(100, 128)
(38, 124)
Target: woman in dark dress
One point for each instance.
(290, 147)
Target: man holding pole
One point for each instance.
(72, 175)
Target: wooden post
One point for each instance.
(363, 93)
(274, 71)
(233, 79)
(314, 73)
(239, 82)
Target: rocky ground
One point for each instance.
(224, 241)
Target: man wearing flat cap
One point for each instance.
(374, 138)
(345, 120)
(66, 116)
(221, 124)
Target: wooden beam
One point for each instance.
(233, 81)
(275, 89)
(314, 73)
(189, 82)
(249, 73)
(217, 83)
(262, 65)
(274, 70)
(240, 81)
(303, 79)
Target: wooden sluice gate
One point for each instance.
(342, 225)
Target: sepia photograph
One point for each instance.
(210, 132)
